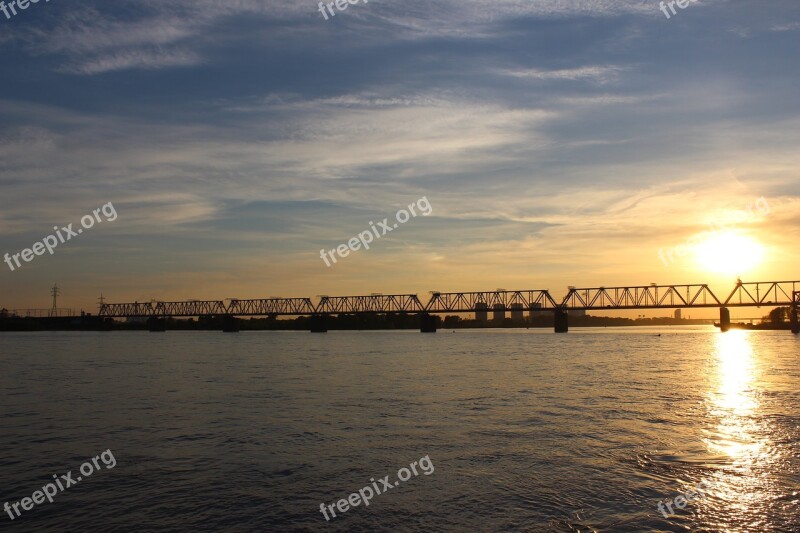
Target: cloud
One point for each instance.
(99, 37)
(135, 59)
(598, 74)
(792, 26)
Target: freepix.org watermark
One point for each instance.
(367, 493)
(366, 237)
(66, 233)
(682, 500)
(16, 4)
(52, 489)
(683, 4)
(341, 5)
(752, 213)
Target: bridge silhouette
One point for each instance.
(755, 294)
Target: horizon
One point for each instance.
(645, 313)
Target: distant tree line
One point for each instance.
(778, 315)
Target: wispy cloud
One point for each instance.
(97, 38)
(135, 59)
(792, 26)
(598, 74)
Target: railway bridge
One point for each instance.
(499, 302)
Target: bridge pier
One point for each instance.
(230, 324)
(319, 323)
(794, 320)
(427, 323)
(561, 319)
(157, 325)
(724, 319)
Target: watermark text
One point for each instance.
(66, 233)
(61, 484)
(365, 238)
(367, 493)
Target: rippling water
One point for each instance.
(527, 430)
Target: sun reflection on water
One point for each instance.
(738, 435)
(735, 401)
(736, 369)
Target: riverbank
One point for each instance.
(337, 322)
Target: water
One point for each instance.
(525, 430)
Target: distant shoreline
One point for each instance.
(349, 323)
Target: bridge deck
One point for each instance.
(757, 294)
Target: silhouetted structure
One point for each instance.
(576, 303)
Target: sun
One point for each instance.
(729, 253)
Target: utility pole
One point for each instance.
(101, 301)
(55, 291)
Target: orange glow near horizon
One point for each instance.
(730, 253)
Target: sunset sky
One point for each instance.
(559, 142)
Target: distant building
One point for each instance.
(536, 310)
(499, 312)
(678, 314)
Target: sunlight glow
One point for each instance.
(729, 253)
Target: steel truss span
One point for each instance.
(190, 308)
(129, 310)
(376, 303)
(771, 293)
(271, 306)
(467, 302)
(643, 297)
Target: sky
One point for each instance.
(558, 142)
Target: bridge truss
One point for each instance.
(190, 308)
(643, 297)
(778, 293)
(761, 294)
(271, 306)
(376, 303)
(467, 302)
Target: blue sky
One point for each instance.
(559, 143)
